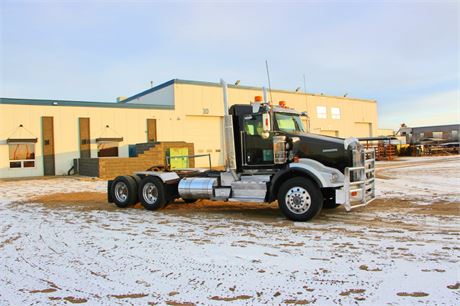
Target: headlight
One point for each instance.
(334, 177)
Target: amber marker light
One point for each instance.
(282, 104)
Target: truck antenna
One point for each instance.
(306, 102)
(269, 84)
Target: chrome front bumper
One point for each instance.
(361, 192)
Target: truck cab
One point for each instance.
(257, 150)
(269, 157)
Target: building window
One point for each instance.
(321, 112)
(335, 113)
(22, 155)
(107, 149)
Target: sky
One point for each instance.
(404, 54)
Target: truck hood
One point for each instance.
(318, 137)
(330, 151)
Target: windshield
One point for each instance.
(289, 122)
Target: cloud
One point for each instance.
(434, 109)
(396, 53)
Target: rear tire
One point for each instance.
(123, 191)
(152, 193)
(300, 199)
(137, 178)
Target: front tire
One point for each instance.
(300, 199)
(152, 193)
(124, 191)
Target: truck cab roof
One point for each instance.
(246, 109)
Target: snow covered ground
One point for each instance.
(393, 252)
(424, 180)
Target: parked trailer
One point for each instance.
(268, 157)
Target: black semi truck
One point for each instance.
(268, 157)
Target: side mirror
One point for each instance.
(266, 125)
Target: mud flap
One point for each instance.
(109, 194)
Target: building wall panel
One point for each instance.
(208, 101)
(206, 134)
(126, 123)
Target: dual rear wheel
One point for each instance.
(123, 191)
(150, 191)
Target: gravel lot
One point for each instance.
(61, 243)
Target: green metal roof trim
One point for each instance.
(202, 83)
(145, 92)
(17, 101)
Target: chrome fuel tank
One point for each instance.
(197, 187)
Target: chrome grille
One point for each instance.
(364, 185)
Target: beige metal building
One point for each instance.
(42, 137)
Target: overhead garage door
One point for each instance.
(206, 134)
(362, 129)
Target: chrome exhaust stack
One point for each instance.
(229, 142)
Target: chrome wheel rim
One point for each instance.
(121, 191)
(298, 200)
(150, 193)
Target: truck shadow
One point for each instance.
(226, 209)
(204, 209)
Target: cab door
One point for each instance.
(257, 151)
